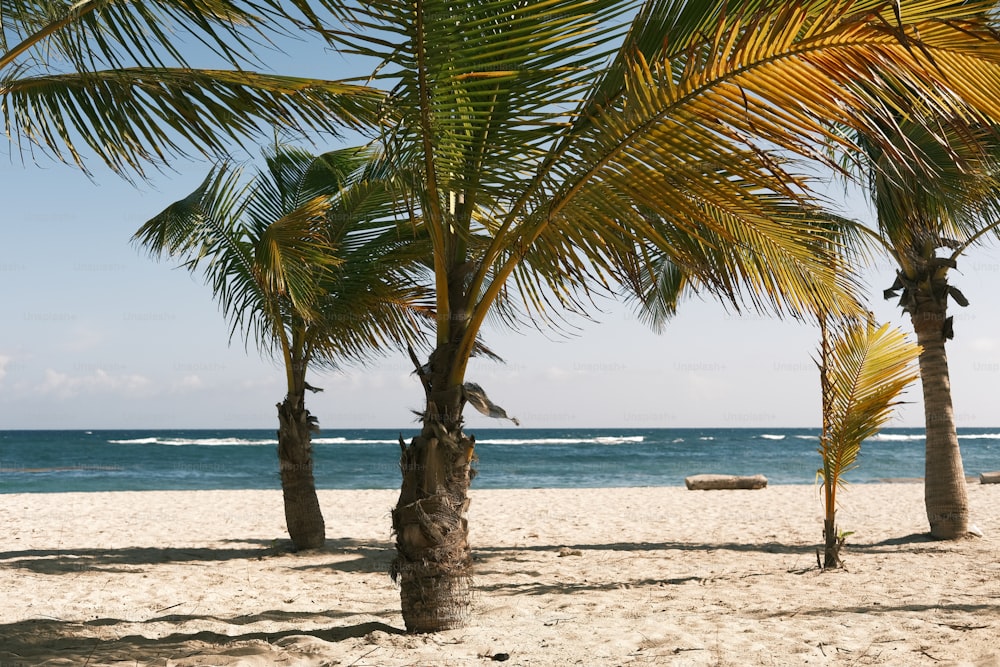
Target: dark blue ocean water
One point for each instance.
(52, 461)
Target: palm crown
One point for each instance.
(306, 260)
(683, 142)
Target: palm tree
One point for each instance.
(862, 371)
(305, 261)
(925, 220)
(533, 163)
(109, 77)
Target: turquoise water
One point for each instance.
(54, 461)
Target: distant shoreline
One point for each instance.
(180, 459)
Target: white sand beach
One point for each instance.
(638, 576)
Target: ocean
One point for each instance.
(61, 461)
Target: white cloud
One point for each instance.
(189, 382)
(984, 344)
(64, 385)
(4, 360)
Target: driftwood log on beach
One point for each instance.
(722, 482)
(989, 478)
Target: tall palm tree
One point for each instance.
(925, 220)
(307, 261)
(541, 140)
(863, 369)
(112, 78)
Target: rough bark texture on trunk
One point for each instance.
(945, 493)
(303, 516)
(433, 564)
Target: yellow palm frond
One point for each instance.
(535, 165)
(864, 369)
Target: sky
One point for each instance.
(97, 335)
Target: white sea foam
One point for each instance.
(604, 440)
(205, 442)
(352, 441)
(907, 437)
(896, 437)
(771, 436)
(208, 442)
(618, 440)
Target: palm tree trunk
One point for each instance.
(945, 493)
(303, 516)
(832, 545)
(433, 563)
(831, 552)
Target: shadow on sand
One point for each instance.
(35, 641)
(364, 556)
(103, 640)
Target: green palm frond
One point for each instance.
(293, 254)
(202, 231)
(379, 297)
(377, 300)
(137, 115)
(114, 78)
(180, 228)
(667, 285)
(654, 286)
(110, 34)
(102, 34)
(930, 210)
(290, 181)
(535, 166)
(719, 264)
(950, 202)
(306, 259)
(487, 83)
(864, 369)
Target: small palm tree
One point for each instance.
(307, 261)
(863, 369)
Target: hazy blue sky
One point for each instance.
(96, 335)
